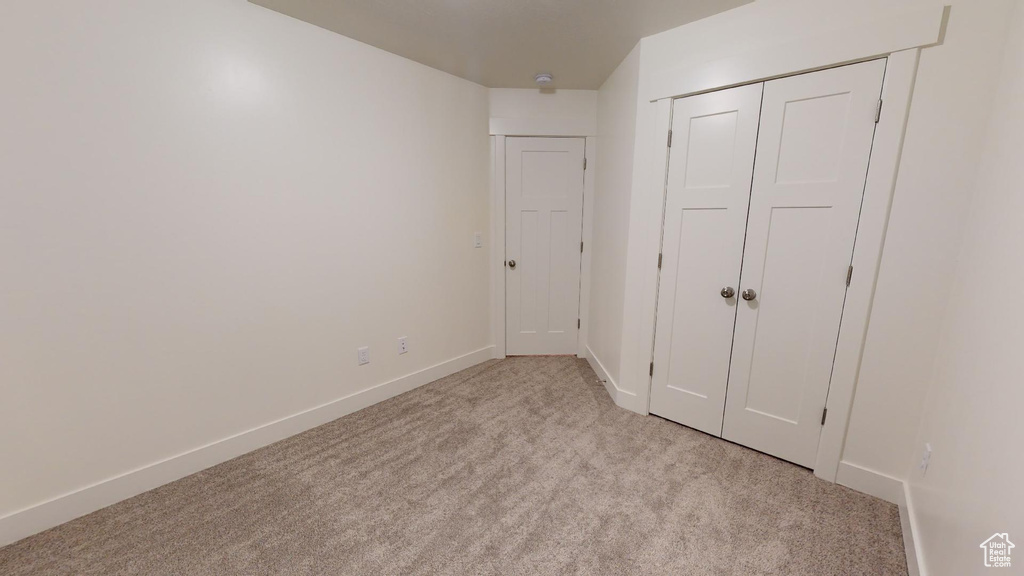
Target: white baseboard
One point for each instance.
(622, 398)
(915, 562)
(870, 482)
(630, 401)
(64, 508)
(891, 490)
(602, 374)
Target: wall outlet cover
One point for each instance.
(403, 345)
(363, 355)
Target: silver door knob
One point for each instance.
(749, 294)
(728, 292)
(512, 264)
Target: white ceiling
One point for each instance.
(504, 43)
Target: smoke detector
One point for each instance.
(543, 79)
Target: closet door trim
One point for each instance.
(897, 91)
(859, 42)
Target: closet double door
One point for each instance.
(763, 200)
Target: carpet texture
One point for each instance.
(519, 466)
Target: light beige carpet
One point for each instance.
(522, 466)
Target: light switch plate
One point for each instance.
(926, 459)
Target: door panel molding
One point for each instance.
(813, 149)
(708, 192)
(544, 228)
(497, 249)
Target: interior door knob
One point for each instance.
(749, 294)
(728, 292)
(512, 264)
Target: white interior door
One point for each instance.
(812, 158)
(543, 235)
(712, 158)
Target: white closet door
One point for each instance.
(543, 231)
(812, 158)
(712, 158)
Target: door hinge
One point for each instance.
(578, 323)
(878, 111)
(652, 368)
(849, 275)
(669, 138)
(581, 247)
(659, 261)
(824, 413)
(584, 163)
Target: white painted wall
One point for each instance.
(534, 112)
(205, 207)
(616, 132)
(972, 418)
(955, 84)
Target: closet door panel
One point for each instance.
(710, 166)
(812, 156)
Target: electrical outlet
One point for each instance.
(363, 355)
(926, 459)
(403, 345)
(478, 241)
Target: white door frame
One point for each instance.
(498, 232)
(897, 89)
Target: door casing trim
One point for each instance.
(880, 186)
(497, 252)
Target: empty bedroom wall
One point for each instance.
(616, 131)
(205, 208)
(972, 418)
(552, 112)
(945, 132)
